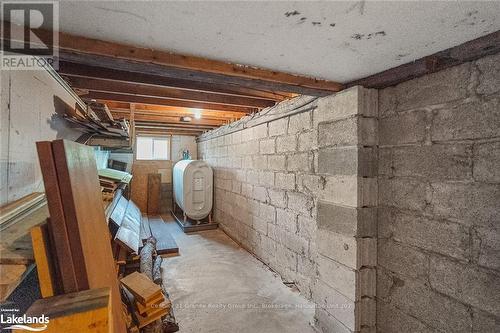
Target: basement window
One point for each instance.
(152, 148)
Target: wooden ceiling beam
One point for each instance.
(94, 52)
(80, 70)
(171, 109)
(173, 114)
(169, 126)
(147, 90)
(161, 132)
(165, 101)
(468, 51)
(192, 67)
(169, 119)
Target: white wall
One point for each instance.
(181, 143)
(27, 115)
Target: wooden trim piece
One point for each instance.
(468, 51)
(43, 258)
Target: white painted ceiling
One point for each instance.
(339, 41)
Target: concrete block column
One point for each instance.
(344, 288)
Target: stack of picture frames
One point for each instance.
(73, 250)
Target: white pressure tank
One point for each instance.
(193, 188)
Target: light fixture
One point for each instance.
(197, 113)
(186, 119)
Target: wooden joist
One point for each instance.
(93, 52)
(120, 97)
(158, 118)
(79, 70)
(192, 66)
(147, 90)
(170, 110)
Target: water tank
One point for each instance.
(193, 188)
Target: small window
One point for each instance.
(152, 148)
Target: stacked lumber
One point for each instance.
(93, 118)
(79, 242)
(110, 179)
(80, 280)
(147, 298)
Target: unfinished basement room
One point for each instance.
(250, 166)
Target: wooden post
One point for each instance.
(132, 125)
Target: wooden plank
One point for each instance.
(154, 187)
(165, 243)
(143, 289)
(148, 309)
(85, 222)
(115, 175)
(148, 318)
(19, 208)
(468, 51)
(44, 258)
(120, 97)
(86, 311)
(10, 278)
(80, 70)
(57, 226)
(150, 90)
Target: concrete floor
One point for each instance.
(217, 286)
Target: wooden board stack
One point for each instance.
(111, 179)
(81, 256)
(149, 302)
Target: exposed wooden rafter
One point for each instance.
(172, 110)
(98, 95)
(94, 52)
(78, 70)
(148, 90)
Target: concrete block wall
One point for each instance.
(297, 187)
(439, 202)
(347, 231)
